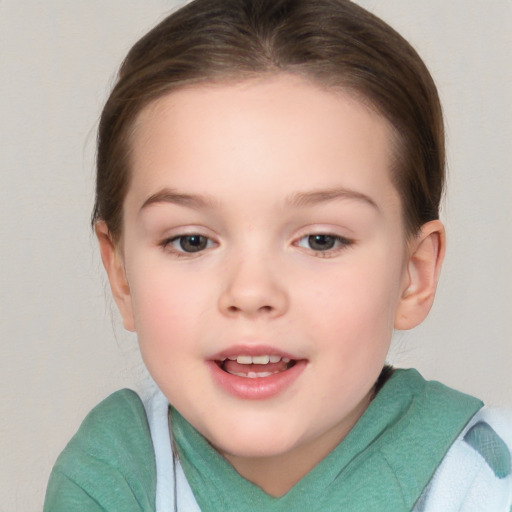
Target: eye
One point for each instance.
(189, 243)
(321, 242)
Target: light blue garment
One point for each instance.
(475, 475)
(173, 492)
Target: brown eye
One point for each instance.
(190, 243)
(324, 243)
(321, 242)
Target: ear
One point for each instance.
(113, 263)
(426, 254)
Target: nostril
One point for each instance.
(263, 309)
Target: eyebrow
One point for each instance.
(171, 196)
(320, 196)
(297, 200)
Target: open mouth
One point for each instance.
(255, 373)
(255, 367)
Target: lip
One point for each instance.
(259, 388)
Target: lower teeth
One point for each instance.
(253, 375)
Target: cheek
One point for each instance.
(168, 305)
(356, 304)
(168, 312)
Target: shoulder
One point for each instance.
(476, 473)
(109, 463)
(120, 413)
(115, 432)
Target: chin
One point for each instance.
(252, 443)
(246, 451)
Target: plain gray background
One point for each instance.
(61, 352)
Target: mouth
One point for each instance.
(255, 373)
(255, 367)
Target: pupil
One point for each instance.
(321, 242)
(193, 243)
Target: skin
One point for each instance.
(256, 168)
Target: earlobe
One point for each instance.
(425, 259)
(113, 263)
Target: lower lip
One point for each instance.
(259, 388)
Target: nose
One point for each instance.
(252, 289)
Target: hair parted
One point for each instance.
(334, 43)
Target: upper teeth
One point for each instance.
(258, 359)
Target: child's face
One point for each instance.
(261, 221)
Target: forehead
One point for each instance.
(277, 131)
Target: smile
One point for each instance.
(260, 375)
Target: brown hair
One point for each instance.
(335, 43)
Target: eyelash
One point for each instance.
(339, 244)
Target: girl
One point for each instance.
(269, 175)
